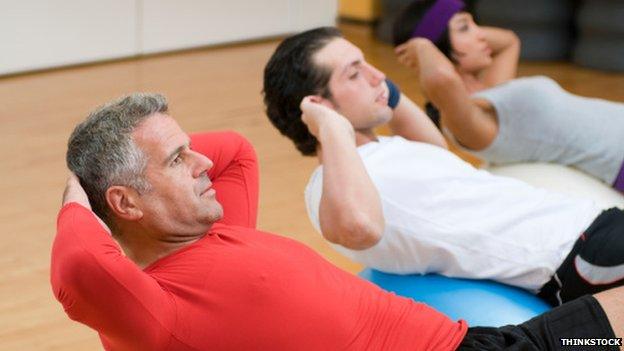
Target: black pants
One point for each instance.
(596, 262)
(582, 318)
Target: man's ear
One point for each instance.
(124, 202)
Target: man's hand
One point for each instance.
(74, 192)
(317, 117)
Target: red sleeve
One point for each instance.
(234, 174)
(98, 286)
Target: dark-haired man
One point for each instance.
(405, 204)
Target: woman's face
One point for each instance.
(469, 48)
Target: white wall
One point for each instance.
(313, 13)
(186, 23)
(37, 34)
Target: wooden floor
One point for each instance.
(216, 88)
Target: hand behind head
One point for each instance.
(74, 192)
(317, 115)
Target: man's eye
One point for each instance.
(176, 160)
(354, 75)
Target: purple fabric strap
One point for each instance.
(435, 21)
(619, 181)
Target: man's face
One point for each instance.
(180, 201)
(358, 90)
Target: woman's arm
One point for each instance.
(470, 124)
(505, 47)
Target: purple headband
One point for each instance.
(435, 21)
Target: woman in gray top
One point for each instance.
(468, 72)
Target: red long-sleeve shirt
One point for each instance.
(236, 288)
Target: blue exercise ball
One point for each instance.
(478, 302)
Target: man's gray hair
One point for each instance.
(101, 151)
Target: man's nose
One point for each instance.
(375, 76)
(202, 164)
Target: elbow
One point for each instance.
(513, 38)
(358, 232)
(440, 79)
(515, 43)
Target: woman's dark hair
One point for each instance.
(290, 75)
(410, 17)
(402, 30)
(412, 14)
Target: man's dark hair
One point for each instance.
(290, 75)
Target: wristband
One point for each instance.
(394, 94)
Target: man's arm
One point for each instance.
(97, 285)
(505, 47)
(468, 122)
(410, 122)
(234, 174)
(350, 208)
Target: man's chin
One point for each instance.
(216, 212)
(385, 115)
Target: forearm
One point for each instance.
(410, 122)
(468, 123)
(431, 63)
(499, 39)
(505, 47)
(441, 83)
(350, 208)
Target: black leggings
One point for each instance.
(596, 262)
(581, 318)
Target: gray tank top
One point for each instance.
(540, 122)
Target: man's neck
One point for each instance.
(365, 136)
(145, 248)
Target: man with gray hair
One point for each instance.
(102, 153)
(186, 269)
